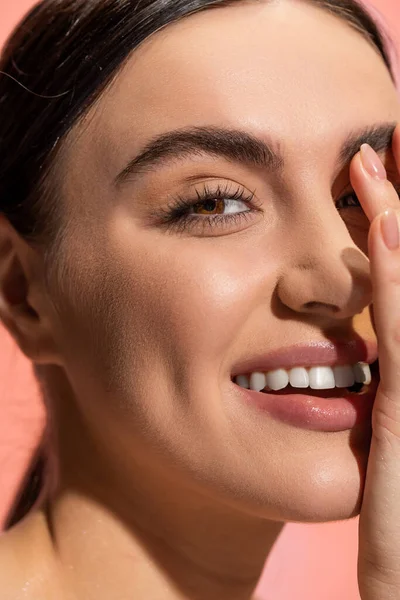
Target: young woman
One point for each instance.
(199, 254)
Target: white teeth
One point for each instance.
(362, 373)
(344, 376)
(298, 377)
(317, 378)
(243, 381)
(321, 378)
(257, 381)
(277, 380)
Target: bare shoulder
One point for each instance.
(25, 572)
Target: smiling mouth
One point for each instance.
(320, 386)
(365, 375)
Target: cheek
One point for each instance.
(187, 298)
(159, 306)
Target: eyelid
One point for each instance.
(222, 190)
(176, 216)
(217, 180)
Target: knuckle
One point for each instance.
(379, 571)
(389, 341)
(386, 419)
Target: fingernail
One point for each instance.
(390, 230)
(372, 163)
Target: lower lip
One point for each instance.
(316, 413)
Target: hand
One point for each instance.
(379, 526)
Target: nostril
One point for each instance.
(331, 308)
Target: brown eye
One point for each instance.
(218, 206)
(215, 207)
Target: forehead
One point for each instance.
(288, 69)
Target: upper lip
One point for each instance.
(321, 353)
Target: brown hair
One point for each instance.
(54, 66)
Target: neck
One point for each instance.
(158, 552)
(124, 527)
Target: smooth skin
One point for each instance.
(379, 528)
(169, 486)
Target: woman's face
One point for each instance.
(155, 314)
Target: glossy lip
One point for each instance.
(340, 413)
(321, 353)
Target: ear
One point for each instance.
(25, 308)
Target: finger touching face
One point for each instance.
(376, 199)
(177, 302)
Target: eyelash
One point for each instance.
(176, 215)
(349, 195)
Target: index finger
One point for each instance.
(362, 167)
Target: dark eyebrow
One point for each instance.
(241, 147)
(233, 144)
(378, 136)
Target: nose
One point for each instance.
(326, 274)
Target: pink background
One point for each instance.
(309, 562)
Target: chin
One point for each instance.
(332, 491)
(325, 512)
(318, 481)
(323, 505)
